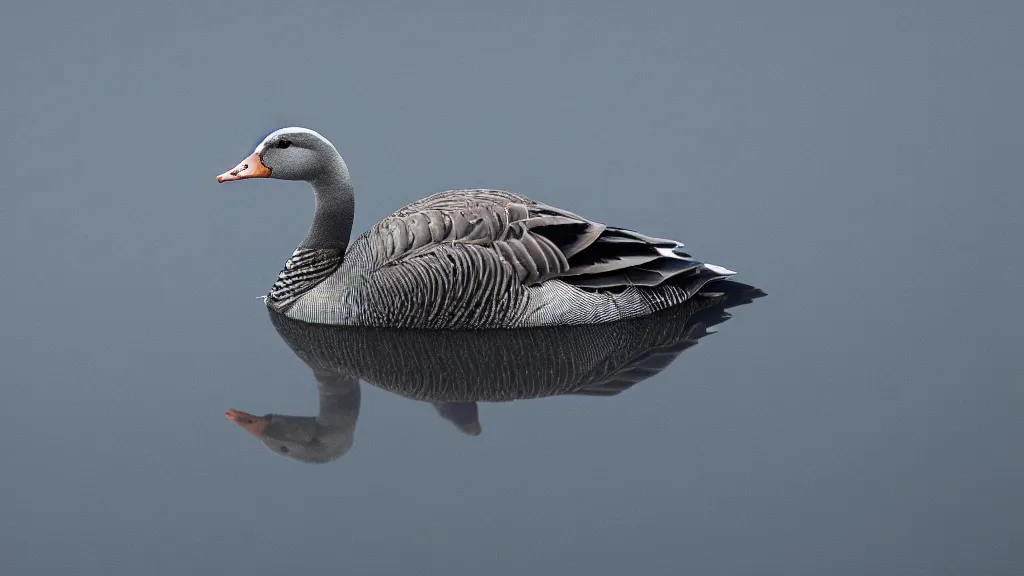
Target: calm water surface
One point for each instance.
(857, 163)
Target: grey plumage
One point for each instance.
(493, 259)
(465, 258)
(304, 270)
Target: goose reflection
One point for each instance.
(454, 370)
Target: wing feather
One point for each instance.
(539, 242)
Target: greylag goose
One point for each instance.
(461, 258)
(454, 370)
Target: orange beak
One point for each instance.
(251, 167)
(254, 425)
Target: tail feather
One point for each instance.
(618, 258)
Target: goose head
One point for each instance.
(292, 153)
(300, 438)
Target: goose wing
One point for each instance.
(539, 242)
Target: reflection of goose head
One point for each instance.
(323, 438)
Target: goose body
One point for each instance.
(472, 258)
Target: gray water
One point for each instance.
(859, 162)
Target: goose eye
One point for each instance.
(284, 143)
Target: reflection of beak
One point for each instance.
(251, 167)
(254, 425)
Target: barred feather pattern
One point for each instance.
(304, 270)
(493, 259)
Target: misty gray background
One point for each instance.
(859, 161)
